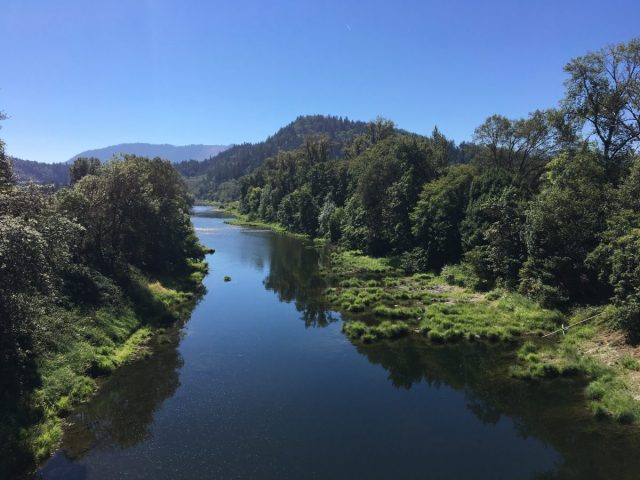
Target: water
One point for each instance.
(261, 383)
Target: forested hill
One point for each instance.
(56, 174)
(209, 175)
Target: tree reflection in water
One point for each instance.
(294, 276)
(552, 411)
(122, 414)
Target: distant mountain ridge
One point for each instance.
(206, 167)
(173, 153)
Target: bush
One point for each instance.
(461, 275)
(414, 261)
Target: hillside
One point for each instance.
(206, 177)
(39, 172)
(173, 153)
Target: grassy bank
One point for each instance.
(240, 219)
(599, 353)
(85, 343)
(427, 304)
(382, 303)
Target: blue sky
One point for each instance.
(79, 75)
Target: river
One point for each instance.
(261, 383)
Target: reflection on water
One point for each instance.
(248, 392)
(293, 275)
(122, 414)
(552, 411)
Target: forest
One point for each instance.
(216, 178)
(545, 205)
(87, 273)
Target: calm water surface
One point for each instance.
(261, 383)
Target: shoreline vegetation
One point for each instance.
(91, 277)
(119, 334)
(380, 302)
(532, 225)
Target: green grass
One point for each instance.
(385, 330)
(630, 363)
(347, 263)
(245, 221)
(438, 310)
(607, 392)
(81, 344)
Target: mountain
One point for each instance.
(205, 177)
(56, 174)
(172, 153)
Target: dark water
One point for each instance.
(261, 383)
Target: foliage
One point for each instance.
(209, 175)
(74, 282)
(603, 92)
(438, 214)
(134, 211)
(521, 147)
(82, 167)
(493, 234)
(562, 227)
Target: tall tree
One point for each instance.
(438, 213)
(82, 167)
(563, 226)
(603, 91)
(521, 146)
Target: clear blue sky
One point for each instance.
(80, 74)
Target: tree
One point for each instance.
(617, 256)
(380, 129)
(563, 225)
(485, 189)
(438, 214)
(500, 252)
(134, 211)
(603, 91)
(317, 148)
(37, 247)
(390, 176)
(82, 167)
(521, 146)
(325, 216)
(617, 260)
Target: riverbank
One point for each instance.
(86, 344)
(435, 306)
(443, 309)
(598, 352)
(379, 301)
(241, 220)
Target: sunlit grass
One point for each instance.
(441, 311)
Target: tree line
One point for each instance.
(130, 212)
(546, 204)
(217, 177)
